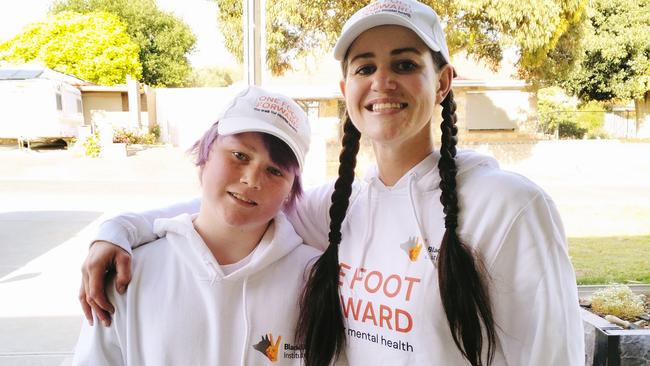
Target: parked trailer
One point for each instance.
(39, 108)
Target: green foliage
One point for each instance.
(617, 300)
(92, 145)
(615, 63)
(213, 77)
(164, 40)
(592, 117)
(482, 27)
(556, 114)
(132, 136)
(562, 115)
(93, 47)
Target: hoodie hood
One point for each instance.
(426, 172)
(278, 241)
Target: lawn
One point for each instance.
(615, 259)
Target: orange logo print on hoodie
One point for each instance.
(266, 347)
(412, 247)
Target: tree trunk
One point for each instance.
(642, 109)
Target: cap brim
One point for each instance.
(376, 20)
(234, 125)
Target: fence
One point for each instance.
(560, 124)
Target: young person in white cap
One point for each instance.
(221, 287)
(436, 257)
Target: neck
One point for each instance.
(228, 244)
(393, 161)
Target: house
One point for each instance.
(38, 103)
(121, 106)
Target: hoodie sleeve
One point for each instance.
(98, 346)
(534, 294)
(129, 230)
(310, 217)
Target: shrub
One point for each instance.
(559, 113)
(617, 300)
(131, 137)
(571, 130)
(92, 146)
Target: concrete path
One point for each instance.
(51, 203)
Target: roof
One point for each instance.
(34, 72)
(17, 74)
(104, 89)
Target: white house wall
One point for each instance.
(183, 114)
(100, 102)
(497, 109)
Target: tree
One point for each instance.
(213, 77)
(615, 63)
(482, 27)
(164, 40)
(93, 47)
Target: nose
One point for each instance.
(251, 177)
(383, 79)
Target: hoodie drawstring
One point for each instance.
(366, 235)
(244, 352)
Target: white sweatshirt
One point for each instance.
(389, 280)
(181, 309)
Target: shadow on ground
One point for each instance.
(26, 235)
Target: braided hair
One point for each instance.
(461, 275)
(320, 323)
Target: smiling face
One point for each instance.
(391, 86)
(241, 185)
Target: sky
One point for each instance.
(200, 15)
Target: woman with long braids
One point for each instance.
(436, 257)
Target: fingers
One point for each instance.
(96, 293)
(123, 268)
(86, 295)
(84, 304)
(103, 315)
(98, 270)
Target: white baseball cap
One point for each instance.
(411, 14)
(258, 110)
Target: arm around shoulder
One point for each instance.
(129, 230)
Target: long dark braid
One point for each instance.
(461, 276)
(320, 323)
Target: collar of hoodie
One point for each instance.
(278, 240)
(423, 177)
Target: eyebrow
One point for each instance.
(237, 143)
(397, 51)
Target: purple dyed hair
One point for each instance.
(280, 153)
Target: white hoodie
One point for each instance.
(390, 287)
(181, 309)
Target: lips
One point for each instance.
(242, 198)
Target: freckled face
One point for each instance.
(240, 183)
(390, 85)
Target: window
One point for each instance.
(59, 102)
(494, 109)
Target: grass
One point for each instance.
(615, 259)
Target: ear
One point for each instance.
(342, 87)
(200, 171)
(445, 78)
